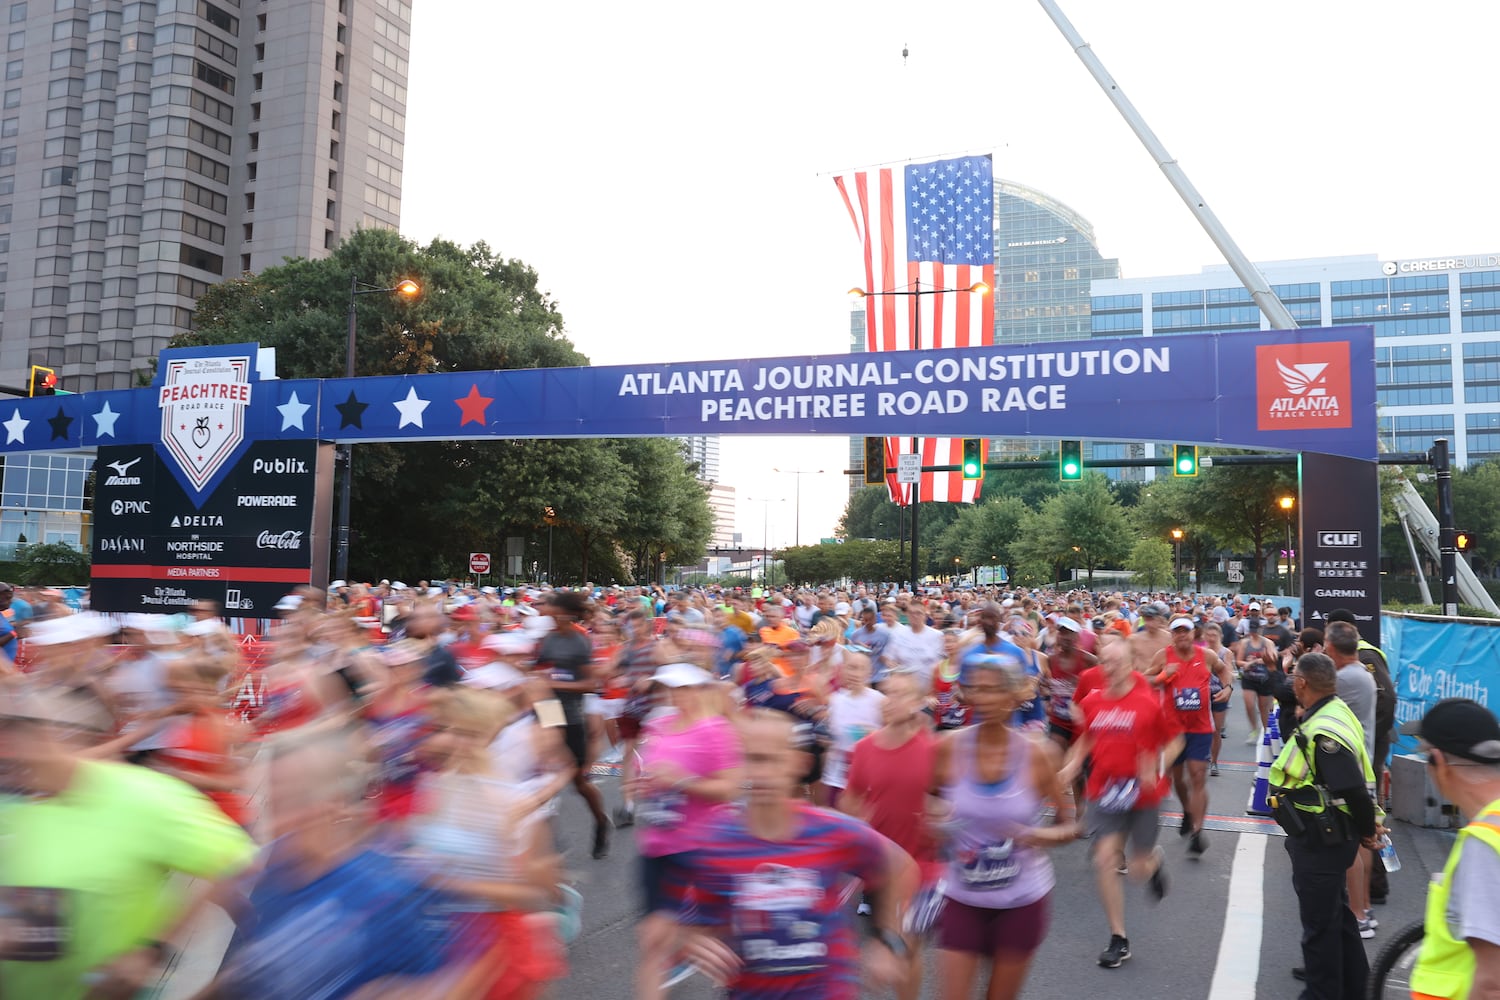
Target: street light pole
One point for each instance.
(1287, 503)
(1177, 559)
(408, 289)
(765, 535)
(915, 294)
(799, 473)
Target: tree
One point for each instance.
(52, 563)
(870, 514)
(1151, 562)
(1238, 505)
(418, 508)
(1092, 524)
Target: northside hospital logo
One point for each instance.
(1302, 386)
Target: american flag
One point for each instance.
(936, 219)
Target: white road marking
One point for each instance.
(1238, 964)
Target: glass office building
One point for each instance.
(1436, 320)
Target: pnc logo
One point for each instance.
(1302, 386)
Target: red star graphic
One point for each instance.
(221, 427)
(472, 406)
(183, 427)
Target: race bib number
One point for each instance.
(776, 919)
(1188, 699)
(1119, 796)
(662, 809)
(990, 867)
(33, 924)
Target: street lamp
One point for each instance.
(765, 535)
(1287, 503)
(799, 473)
(408, 290)
(1177, 558)
(915, 293)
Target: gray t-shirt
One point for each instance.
(1356, 688)
(1472, 912)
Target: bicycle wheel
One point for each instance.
(1390, 973)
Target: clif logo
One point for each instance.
(1302, 386)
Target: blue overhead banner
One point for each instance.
(1303, 390)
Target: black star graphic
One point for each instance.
(351, 412)
(60, 425)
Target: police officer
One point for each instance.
(1460, 954)
(1320, 797)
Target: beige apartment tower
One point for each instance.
(149, 150)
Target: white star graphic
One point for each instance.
(292, 411)
(15, 428)
(104, 421)
(411, 408)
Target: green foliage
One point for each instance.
(54, 563)
(870, 514)
(419, 508)
(1151, 562)
(853, 560)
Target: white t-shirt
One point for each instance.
(851, 718)
(915, 652)
(1471, 902)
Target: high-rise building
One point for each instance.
(703, 449)
(149, 150)
(1436, 320)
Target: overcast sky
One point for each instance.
(665, 166)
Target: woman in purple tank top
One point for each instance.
(995, 782)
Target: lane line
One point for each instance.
(1238, 965)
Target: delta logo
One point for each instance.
(1302, 386)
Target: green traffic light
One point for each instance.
(1185, 464)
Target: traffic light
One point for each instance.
(1070, 461)
(973, 459)
(874, 461)
(1184, 460)
(43, 381)
(1463, 540)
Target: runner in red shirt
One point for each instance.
(1181, 673)
(1066, 664)
(1124, 732)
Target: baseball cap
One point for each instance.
(1459, 726)
(1254, 607)
(1068, 624)
(1155, 609)
(1178, 623)
(680, 675)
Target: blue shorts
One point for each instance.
(1196, 746)
(663, 884)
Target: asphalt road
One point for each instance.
(1178, 946)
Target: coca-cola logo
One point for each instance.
(284, 540)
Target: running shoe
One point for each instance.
(1253, 738)
(680, 972)
(1117, 952)
(1186, 828)
(625, 815)
(1366, 929)
(1124, 869)
(1370, 918)
(1197, 845)
(1213, 770)
(1159, 884)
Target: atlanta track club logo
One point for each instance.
(1302, 386)
(203, 404)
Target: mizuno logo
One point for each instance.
(123, 468)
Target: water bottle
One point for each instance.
(1388, 855)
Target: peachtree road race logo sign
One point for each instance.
(1302, 386)
(203, 404)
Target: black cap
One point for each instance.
(1461, 727)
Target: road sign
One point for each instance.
(479, 562)
(1235, 576)
(1234, 565)
(908, 468)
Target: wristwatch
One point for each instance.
(894, 942)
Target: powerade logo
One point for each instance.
(1302, 386)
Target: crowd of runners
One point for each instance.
(821, 782)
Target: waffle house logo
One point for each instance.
(1302, 386)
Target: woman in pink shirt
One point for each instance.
(689, 765)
